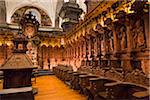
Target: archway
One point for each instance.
(41, 16)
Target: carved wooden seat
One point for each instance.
(68, 75)
(82, 68)
(113, 74)
(104, 63)
(72, 80)
(127, 90)
(65, 74)
(115, 63)
(83, 63)
(138, 77)
(99, 71)
(84, 82)
(75, 80)
(97, 86)
(94, 63)
(62, 71)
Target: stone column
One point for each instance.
(2, 12)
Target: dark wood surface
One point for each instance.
(17, 78)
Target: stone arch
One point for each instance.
(43, 17)
(11, 9)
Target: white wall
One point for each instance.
(49, 6)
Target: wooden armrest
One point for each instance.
(102, 79)
(88, 76)
(15, 90)
(80, 73)
(1, 73)
(113, 83)
(70, 72)
(141, 94)
(134, 84)
(65, 70)
(102, 94)
(82, 76)
(94, 79)
(75, 73)
(88, 87)
(91, 75)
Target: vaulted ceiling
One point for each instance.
(50, 7)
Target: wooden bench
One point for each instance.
(97, 86)
(24, 93)
(84, 82)
(75, 80)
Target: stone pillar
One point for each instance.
(2, 12)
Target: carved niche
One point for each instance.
(138, 34)
(109, 35)
(137, 27)
(121, 30)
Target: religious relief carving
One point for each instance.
(137, 28)
(100, 31)
(138, 35)
(109, 33)
(121, 30)
(29, 31)
(103, 44)
(109, 40)
(122, 36)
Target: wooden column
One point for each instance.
(42, 65)
(92, 47)
(86, 50)
(99, 48)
